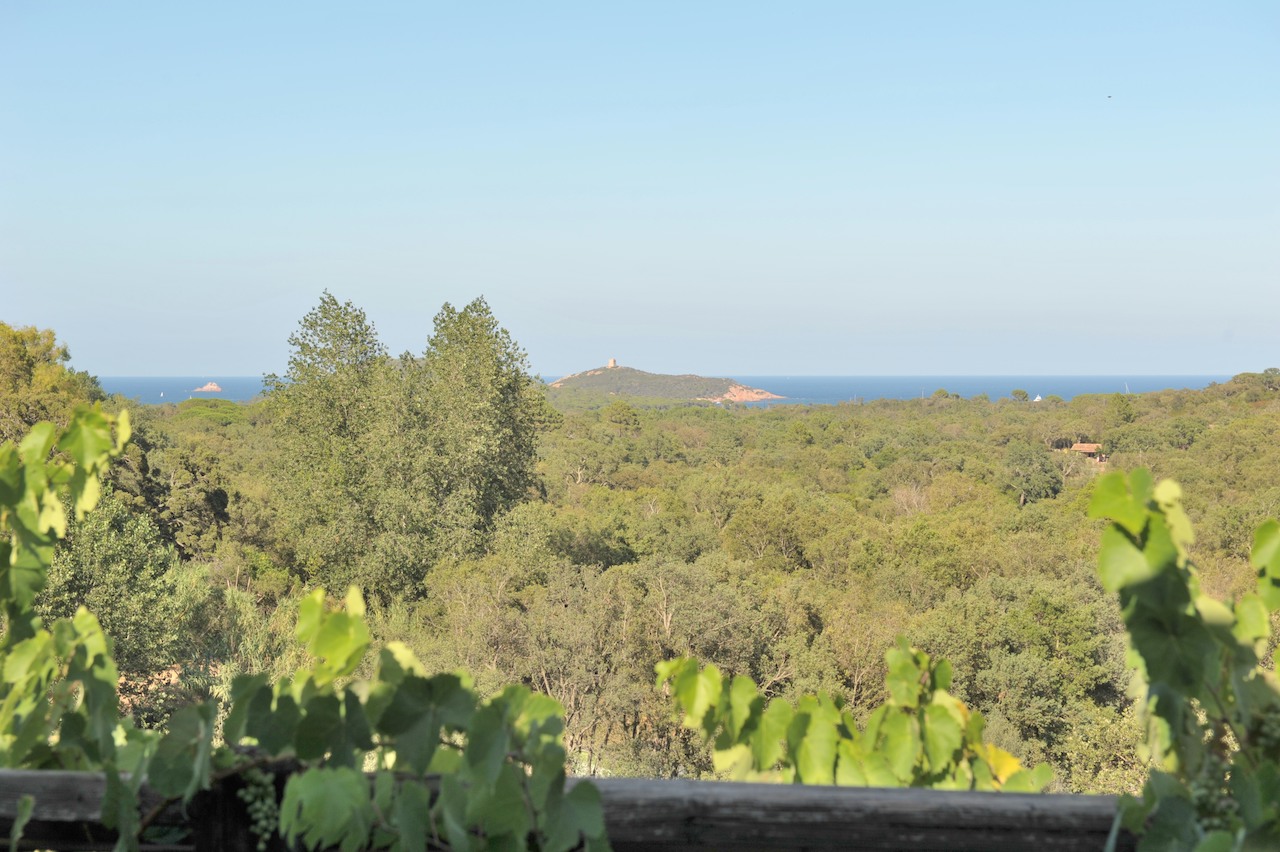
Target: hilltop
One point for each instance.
(629, 382)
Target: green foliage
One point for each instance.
(386, 467)
(1032, 474)
(922, 736)
(482, 413)
(35, 383)
(115, 564)
(500, 763)
(1212, 708)
(58, 706)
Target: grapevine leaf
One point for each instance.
(340, 642)
(501, 810)
(1217, 841)
(1120, 563)
(1113, 499)
(182, 760)
(39, 442)
(1029, 780)
(672, 669)
(418, 709)
(1214, 612)
(901, 744)
(699, 692)
(445, 761)
(321, 728)
(982, 777)
(879, 774)
(1265, 555)
(24, 577)
(120, 804)
(1246, 790)
(245, 690)
(1252, 624)
(1178, 649)
(325, 807)
(766, 740)
(310, 611)
(26, 804)
(411, 814)
(279, 728)
(903, 679)
(87, 439)
(404, 705)
(574, 815)
(395, 660)
(942, 675)
(450, 812)
(734, 761)
(1003, 765)
(540, 719)
(357, 723)
(1171, 825)
(488, 741)
(744, 704)
(1168, 496)
(849, 770)
(1160, 548)
(943, 737)
(812, 739)
(416, 747)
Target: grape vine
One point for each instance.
(1212, 708)
(450, 770)
(922, 736)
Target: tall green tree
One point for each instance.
(389, 465)
(1030, 472)
(482, 412)
(328, 412)
(35, 382)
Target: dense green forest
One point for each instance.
(570, 550)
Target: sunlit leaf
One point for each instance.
(1121, 563)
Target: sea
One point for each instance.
(796, 390)
(157, 390)
(828, 390)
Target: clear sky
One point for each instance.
(712, 187)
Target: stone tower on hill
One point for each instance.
(613, 362)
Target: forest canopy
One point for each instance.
(571, 550)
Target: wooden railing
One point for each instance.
(663, 815)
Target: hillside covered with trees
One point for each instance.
(599, 386)
(572, 550)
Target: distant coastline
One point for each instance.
(811, 390)
(158, 390)
(830, 390)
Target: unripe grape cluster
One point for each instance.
(1211, 796)
(259, 797)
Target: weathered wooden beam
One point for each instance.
(60, 796)
(682, 814)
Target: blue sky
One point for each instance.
(723, 188)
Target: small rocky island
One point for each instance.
(612, 380)
(208, 387)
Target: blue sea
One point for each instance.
(155, 390)
(812, 390)
(820, 390)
